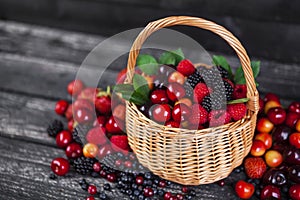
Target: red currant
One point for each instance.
(112, 126)
(92, 189)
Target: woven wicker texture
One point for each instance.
(191, 157)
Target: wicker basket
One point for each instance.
(191, 157)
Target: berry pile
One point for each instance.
(181, 95)
(273, 164)
(96, 145)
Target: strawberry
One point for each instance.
(200, 91)
(96, 136)
(186, 67)
(218, 118)
(239, 91)
(237, 111)
(119, 142)
(199, 115)
(255, 167)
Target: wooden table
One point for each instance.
(36, 63)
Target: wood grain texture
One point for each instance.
(259, 24)
(24, 174)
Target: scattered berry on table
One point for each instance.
(54, 128)
(61, 107)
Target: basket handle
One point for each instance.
(252, 93)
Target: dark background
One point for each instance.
(268, 29)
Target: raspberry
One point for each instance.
(194, 79)
(237, 111)
(255, 167)
(186, 67)
(218, 118)
(96, 136)
(119, 142)
(199, 115)
(200, 91)
(240, 91)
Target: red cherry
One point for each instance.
(159, 96)
(61, 107)
(244, 190)
(261, 105)
(83, 116)
(92, 189)
(71, 125)
(112, 126)
(100, 121)
(172, 124)
(74, 150)
(271, 97)
(175, 91)
(75, 87)
(176, 77)
(64, 138)
(104, 150)
(291, 119)
(160, 112)
(294, 107)
(276, 115)
(181, 112)
(60, 166)
(83, 103)
(88, 94)
(270, 192)
(266, 138)
(258, 148)
(294, 192)
(69, 112)
(264, 125)
(294, 140)
(103, 104)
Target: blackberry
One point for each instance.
(228, 90)
(213, 101)
(210, 76)
(224, 73)
(194, 79)
(54, 128)
(189, 92)
(79, 133)
(84, 165)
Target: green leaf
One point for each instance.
(221, 61)
(140, 85)
(243, 100)
(147, 64)
(123, 87)
(239, 76)
(137, 98)
(255, 65)
(171, 57)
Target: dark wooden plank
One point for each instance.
(259, 24)
(24, 171)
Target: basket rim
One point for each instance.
(203, 132)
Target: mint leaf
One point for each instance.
(171, 57)
(140, 85)
(138, 98)
(147, 64)
(255, 65)
(221, 61)
(239, 76)
(243, 100)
